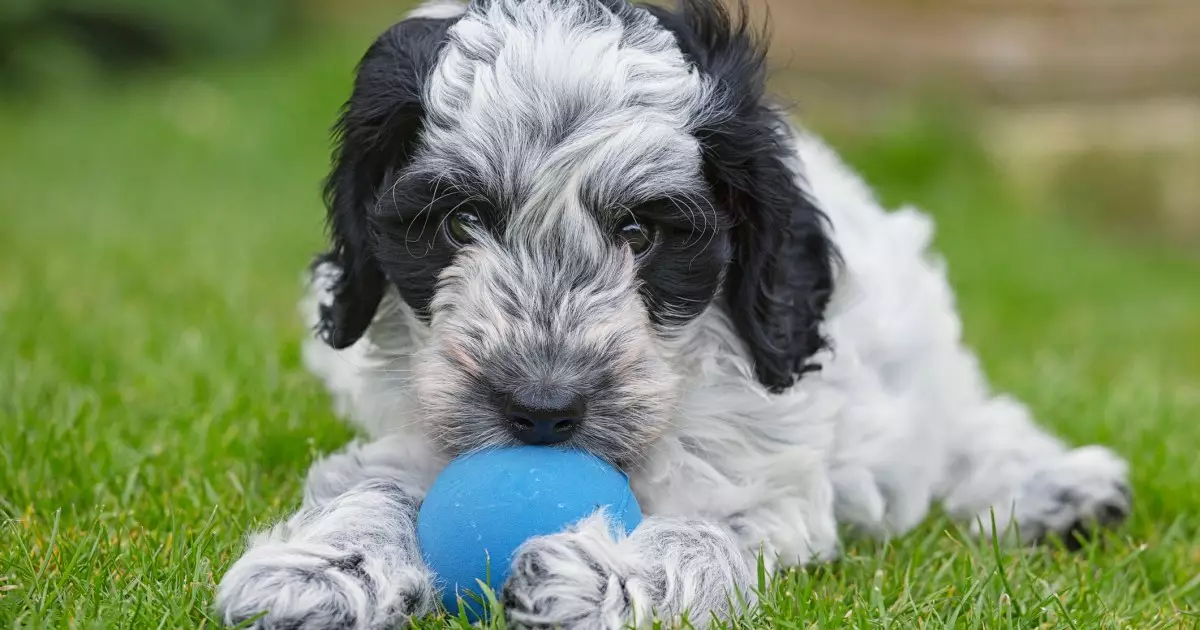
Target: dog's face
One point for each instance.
(558, 189)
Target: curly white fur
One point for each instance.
(901, 416)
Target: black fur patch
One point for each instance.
(682, 273)
(377, 135)
(781, 274)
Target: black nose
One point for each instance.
(544, 419)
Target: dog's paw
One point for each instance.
(1085, 490)
(580, 579)
(307, 586)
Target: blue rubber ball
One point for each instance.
(486, 504)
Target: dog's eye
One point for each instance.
(463, 225)
(639, 236)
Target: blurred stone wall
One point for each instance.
(1093, 97)
(1004, 50)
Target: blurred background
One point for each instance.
(1089, 106)
(160, 164)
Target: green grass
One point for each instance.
(153, 409)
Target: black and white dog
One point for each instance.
(580, 222)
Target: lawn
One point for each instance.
(153, 408)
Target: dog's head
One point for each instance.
(558, 188)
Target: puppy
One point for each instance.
(581, 223)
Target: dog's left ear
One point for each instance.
(781, 276)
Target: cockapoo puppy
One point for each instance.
(580, 222)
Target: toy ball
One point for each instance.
(486, 504)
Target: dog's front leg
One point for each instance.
(585, 578)
(348, 558)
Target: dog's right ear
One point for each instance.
(375, 135)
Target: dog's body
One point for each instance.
(790, 364)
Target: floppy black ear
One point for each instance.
(781, 276)
(376, 134)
